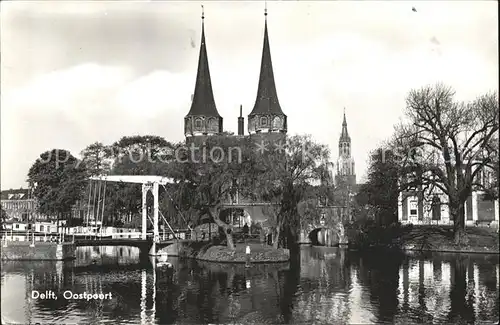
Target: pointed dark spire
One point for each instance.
(344, 136)
(203, 117)
(203, 103)
(267, 97)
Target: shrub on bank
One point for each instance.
(441, 238)
(223, 254)
(368, 234)
(214, 253)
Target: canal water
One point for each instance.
(327, 286)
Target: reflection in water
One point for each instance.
(323, 286)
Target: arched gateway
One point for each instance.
(328, 231)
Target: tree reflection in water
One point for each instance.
(320, 286)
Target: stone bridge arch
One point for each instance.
(328, 234)
(324, 236)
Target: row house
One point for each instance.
(22, 208)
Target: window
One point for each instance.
(276, 123)
(188, 125)
(485, 208)
(17, 226)
(198, 124)
(263, 121)
(487, 178)
(212, 125)
(436, 208)
(413, 208)
(41, 228)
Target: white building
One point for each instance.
(432, 208)
(16, 226)
(39, 227)
(46, 227)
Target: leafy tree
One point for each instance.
(96, 159)
(456, 141)
(361, 208)
(272, 212)
(134, 155)
(207, 174)
(3, 218)
(58, 180)
(142, 148)
(309, 212)
(287, 179)
(380, 193)
(125, 198)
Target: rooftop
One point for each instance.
(15, 194)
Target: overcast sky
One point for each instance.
(76, 73)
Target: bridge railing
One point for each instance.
(33, 236)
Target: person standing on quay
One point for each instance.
(247, 255)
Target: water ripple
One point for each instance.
(328, 287)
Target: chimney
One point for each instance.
(241, 121)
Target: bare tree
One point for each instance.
(446, 144)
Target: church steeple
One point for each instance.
(344, 136)
(344, 140)
(266, 114)
(345, 164)
(203, 117)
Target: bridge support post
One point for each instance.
(144, 211)
(156, 233)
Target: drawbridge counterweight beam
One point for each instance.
(136, 179)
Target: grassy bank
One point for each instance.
(433, 238)
(424, 238)
(212, 253)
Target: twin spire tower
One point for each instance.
(203, 118)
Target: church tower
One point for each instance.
(203, 118)
(346, 175)
(267, 118)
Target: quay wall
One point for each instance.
(19, 251)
